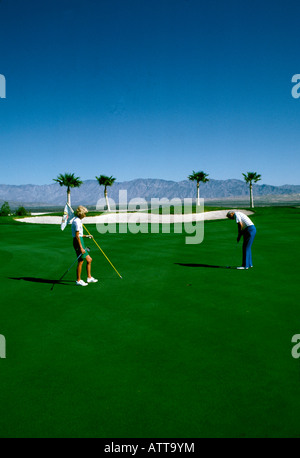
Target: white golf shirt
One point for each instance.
(77, 226)
(243, 219)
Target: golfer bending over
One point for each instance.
(246, 229)
(78, 244)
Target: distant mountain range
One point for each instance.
(90, 191)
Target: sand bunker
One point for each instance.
(137, 217)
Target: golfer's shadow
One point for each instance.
(42, 280)
(204, 265)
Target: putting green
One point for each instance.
(176, 349)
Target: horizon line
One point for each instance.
(160, 179)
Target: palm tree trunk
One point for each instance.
(198, 197)
(107, 201)
(69, 196)
(251, 197)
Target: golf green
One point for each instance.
(181, 347)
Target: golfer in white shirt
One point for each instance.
(78, 244)
(246, 229)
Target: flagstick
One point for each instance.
(102, 252)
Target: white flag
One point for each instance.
(68, 217)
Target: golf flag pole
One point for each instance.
(102, 252)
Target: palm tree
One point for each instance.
(198, 176)
(70, 181)
(251, 177)
(105, 181)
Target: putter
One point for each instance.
(86, 249)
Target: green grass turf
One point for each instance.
(173, 350)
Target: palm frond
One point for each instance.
(199, 177)
(69, 180)
(104, 180)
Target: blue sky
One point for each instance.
(149, 89)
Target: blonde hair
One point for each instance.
(81, 211)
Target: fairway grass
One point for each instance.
(181, 347)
